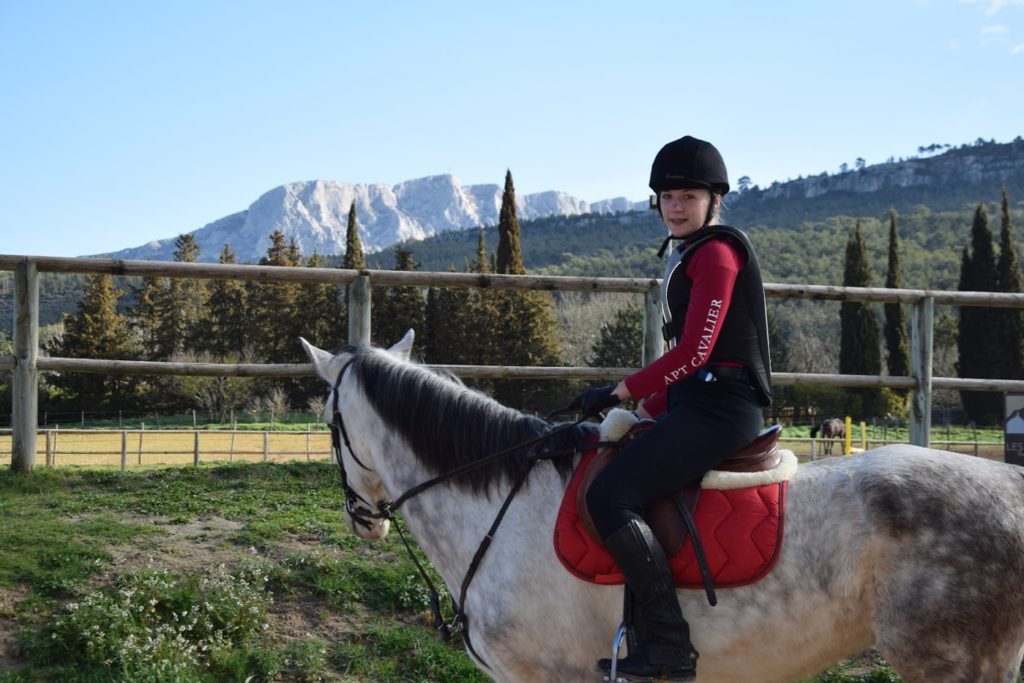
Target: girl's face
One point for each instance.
(684, 211)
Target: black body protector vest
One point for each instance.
(744, 335)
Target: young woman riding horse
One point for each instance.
(706, 393)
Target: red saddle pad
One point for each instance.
(741, 530)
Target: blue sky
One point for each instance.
(124, 122)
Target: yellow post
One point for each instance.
(847, 446)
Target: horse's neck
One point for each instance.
(449, 522)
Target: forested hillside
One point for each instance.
(810, 252)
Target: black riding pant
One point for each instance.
(705, 422)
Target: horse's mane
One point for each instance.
(449, 425)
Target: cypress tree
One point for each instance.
(976, 342)
(1010, 330)
(354, 259)
(97, 330)
(859, 352)
(398, 309)
(525, 321)
(896, 344)
(509, 259)
(228, 310)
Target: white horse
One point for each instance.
(918, 552)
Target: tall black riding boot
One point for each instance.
(664, 651)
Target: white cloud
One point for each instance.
(1017, 49)
(993, 6)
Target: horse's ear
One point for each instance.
(322, 361)
(403, 349)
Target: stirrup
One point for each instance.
(612, 675)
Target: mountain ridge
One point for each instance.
(315, 213)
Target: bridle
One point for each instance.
(363, 512)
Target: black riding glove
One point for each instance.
(593, 401)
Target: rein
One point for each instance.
(362, 514)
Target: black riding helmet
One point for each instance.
(689, 163)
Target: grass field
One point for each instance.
(233, 572)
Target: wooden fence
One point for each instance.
(27, 363)
(137, 447)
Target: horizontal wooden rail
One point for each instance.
(137, 367)
(56, 264)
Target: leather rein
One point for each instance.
(362, 511)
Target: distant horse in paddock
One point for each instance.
(830, 429)
(916, 551)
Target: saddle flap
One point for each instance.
(664, 516)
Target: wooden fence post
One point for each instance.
(359, 305)
(25, 377)
(49, 450)
(195, 450)
(921, 333)
(266, 446)
(124, 450)
(654, 341)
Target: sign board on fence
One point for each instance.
(1014, 430)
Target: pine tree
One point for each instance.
(620, 342)
(896, 344)
(976, 341)
(859, 352)
(273, 307)
(509, 259)
(98, 330)
(228, 310)
(193, 296)
(354, 259)
(482, 345)
(320, 307)
(171, 311)
(145, 315)
(398, 309)
(1010, 329)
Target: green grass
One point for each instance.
(284, 592)
(82, 615)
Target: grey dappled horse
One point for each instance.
(917, 551)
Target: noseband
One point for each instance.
(363, 512)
